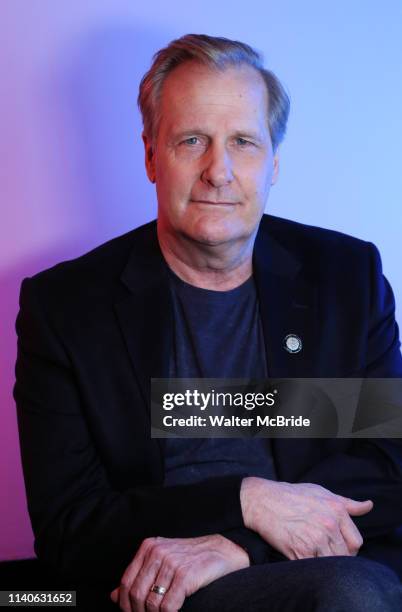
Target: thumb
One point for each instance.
(114, 595)
(357, 508)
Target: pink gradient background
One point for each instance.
(71, 160)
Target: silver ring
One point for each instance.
(160, 590)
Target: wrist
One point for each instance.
(235, 551)
(247, 499)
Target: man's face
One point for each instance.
(212, 160)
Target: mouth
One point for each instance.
(211, 203)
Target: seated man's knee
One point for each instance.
(358, 584)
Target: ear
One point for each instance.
(149, 158)
(275, 172)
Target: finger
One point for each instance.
(327, 547)
(129, 577)
(322, 550)
(163, 579)
(143, 583)
(351, 535)
(337, 545)
(178, 591)
(330, 545)
(318, 547)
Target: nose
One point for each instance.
(218, 170)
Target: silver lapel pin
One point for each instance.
(292, 343)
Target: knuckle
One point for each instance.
(181, 574)
(158, 548)
(169, 565)
(330, 524)
(135, 595)
(148, 544)
(125, 583)
(155, 559)
(155, 554)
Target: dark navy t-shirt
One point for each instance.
(217, 335)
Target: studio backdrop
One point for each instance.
(71, 166)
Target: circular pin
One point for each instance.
(293, 343)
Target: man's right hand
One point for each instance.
(302, 520)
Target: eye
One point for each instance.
(193, 140)
(242, 141)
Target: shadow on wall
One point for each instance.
(98, 189)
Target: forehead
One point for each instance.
(193, 92)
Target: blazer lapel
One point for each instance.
(287, 307)
(145, 316)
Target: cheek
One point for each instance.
(264, 181)
(177, 179)
(256, 183)
(174, 187)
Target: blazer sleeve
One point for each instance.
(84, 528)
(372, 468)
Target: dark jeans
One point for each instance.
(372, 581)
(326, 584)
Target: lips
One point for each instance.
(212, 203)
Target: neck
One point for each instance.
(216, 267)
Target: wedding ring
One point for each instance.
(160, 590)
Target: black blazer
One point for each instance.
(93, 331)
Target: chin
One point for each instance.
(213, 232)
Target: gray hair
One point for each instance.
(217, 53)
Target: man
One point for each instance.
(214, 289)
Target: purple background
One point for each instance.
(71, 160)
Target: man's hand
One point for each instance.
(180, 565)
(302, 520)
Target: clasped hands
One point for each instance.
(299, 520)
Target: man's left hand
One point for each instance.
(179, 565)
